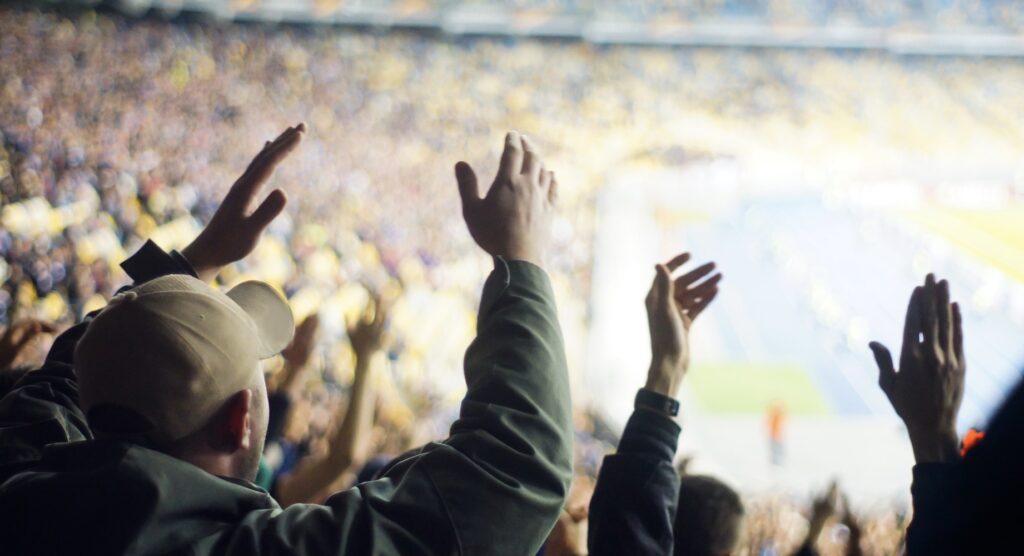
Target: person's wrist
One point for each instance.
(194, 254)
(525, 256)
(665, 378)
(934, 445)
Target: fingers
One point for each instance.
(263, 166)
(23, 333)
(958, 333)
(700, 290)
(268, 210)
(912, 325)
(532, 164)
(380, 311)
(512, 157)
(46, 327)
(694, 275)
(699, 306)
(678, 261)
(930, 318)
(271, 147)
(945, 318)
(545, 179)
(469, 187)
(886, 370)
(553, 190)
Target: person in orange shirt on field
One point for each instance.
(776, 424)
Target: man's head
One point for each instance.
(709, 517)
(175, 363)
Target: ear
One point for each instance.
(238, 425)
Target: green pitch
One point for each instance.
(749, 388)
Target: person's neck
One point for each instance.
(214, 464)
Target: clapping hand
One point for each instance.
(927, 389)
(514, 219)
(672, 306)
(235, 228)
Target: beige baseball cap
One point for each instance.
(174, 349)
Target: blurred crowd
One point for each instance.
(927, 14)
(1001, 15)
(114, 131)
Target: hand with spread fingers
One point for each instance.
(235, 228)
(514, 219)
(672, 306)
(927, 389)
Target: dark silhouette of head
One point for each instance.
(709, 517)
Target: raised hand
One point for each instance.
(367, 334)
(235, 228)
(514, 219)
(822, 509)
(825, 506)
(19, 336)
(927, 390)
(297, 353)
(672, 306)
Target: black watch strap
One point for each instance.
(654, 401)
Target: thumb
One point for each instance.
(469, 190)
(886, 371)
(268, 210)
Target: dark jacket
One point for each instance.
(495, 486)
(974, 506)
(634, 502)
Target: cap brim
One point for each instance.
(271, 314)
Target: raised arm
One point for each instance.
(637, 490)
(496, 485)
(314, 476)
(926, 393)
(43, 409)
(502, 475)
(823, 508)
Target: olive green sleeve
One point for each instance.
(495, 486)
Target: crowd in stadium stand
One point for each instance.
(924, 15)
(114, 132)
(951, 14)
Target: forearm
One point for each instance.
(348, 443)
(311, 479)
(853, 544)
(937, 500)
(290, 384)
(637, 491)
(810, 545)
(498, 483)
(514, 433)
